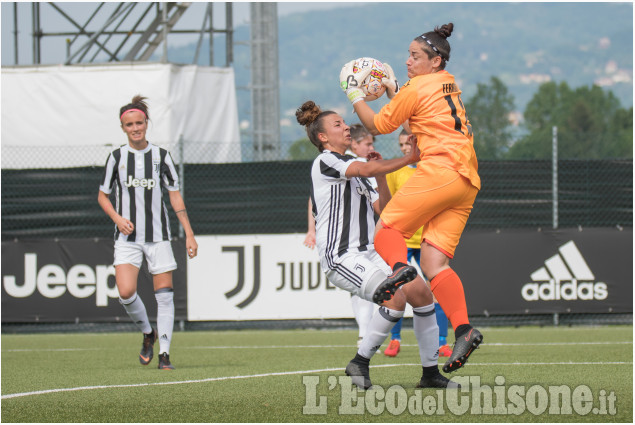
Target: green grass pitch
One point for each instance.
(297, 376)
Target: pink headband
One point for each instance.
(130, 110)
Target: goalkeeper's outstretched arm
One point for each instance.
(366, 116)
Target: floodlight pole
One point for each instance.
(182, 177)
(554, 179)
(15, 31)
(37, 32)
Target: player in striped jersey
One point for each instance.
(138, 171)
(362, 144)
(440, 194)
(344, 204)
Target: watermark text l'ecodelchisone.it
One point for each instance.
(472, 398)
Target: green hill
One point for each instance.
(524, 44)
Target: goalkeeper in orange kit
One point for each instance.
(440, 194)
(395, 180)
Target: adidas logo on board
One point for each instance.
(565, 276)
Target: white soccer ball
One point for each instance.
(371, 86)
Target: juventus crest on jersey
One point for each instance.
(342, 207)
(138, 177)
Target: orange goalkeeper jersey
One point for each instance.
(433, 107)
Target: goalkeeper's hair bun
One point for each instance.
(310, 115)
(435, 43)
(445, 30)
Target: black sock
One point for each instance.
(430, 371)
(360, 359)
(461, 330)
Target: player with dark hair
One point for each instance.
(138, 170)
(362, 144)
(344, 204)
(440, 195)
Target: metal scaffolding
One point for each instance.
(124, 31)
(133, 32)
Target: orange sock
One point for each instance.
(448, 289)
(391, 246)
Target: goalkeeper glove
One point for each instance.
(391, 84)
(350, 82)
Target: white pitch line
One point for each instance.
(244, 347)
(493, 344)
(23, 350)
(297, 372)
(504, 344)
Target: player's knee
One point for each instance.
(418, 293)
(397, 302)
(126, 298)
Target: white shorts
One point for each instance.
(159, 255)
(355, 271)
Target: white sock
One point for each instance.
(363, 311)
(424, 322)
(137, 312)
(378, 329)
(165, 318)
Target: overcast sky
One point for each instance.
(53, 47)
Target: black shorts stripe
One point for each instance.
(348, 275)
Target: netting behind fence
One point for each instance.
(271, 197)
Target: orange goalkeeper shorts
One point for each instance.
(439, 200)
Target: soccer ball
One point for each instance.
(371, 86)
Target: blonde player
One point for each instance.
(138, 171)
(440, 195)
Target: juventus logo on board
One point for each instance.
(240, 283)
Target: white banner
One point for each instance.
(50, 112)
(260, 277)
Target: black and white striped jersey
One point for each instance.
(342, 208)
(138, 177)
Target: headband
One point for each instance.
(433, 47)
(130, 110)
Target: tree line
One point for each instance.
(591, 124)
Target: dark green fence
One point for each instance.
(271, 197)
